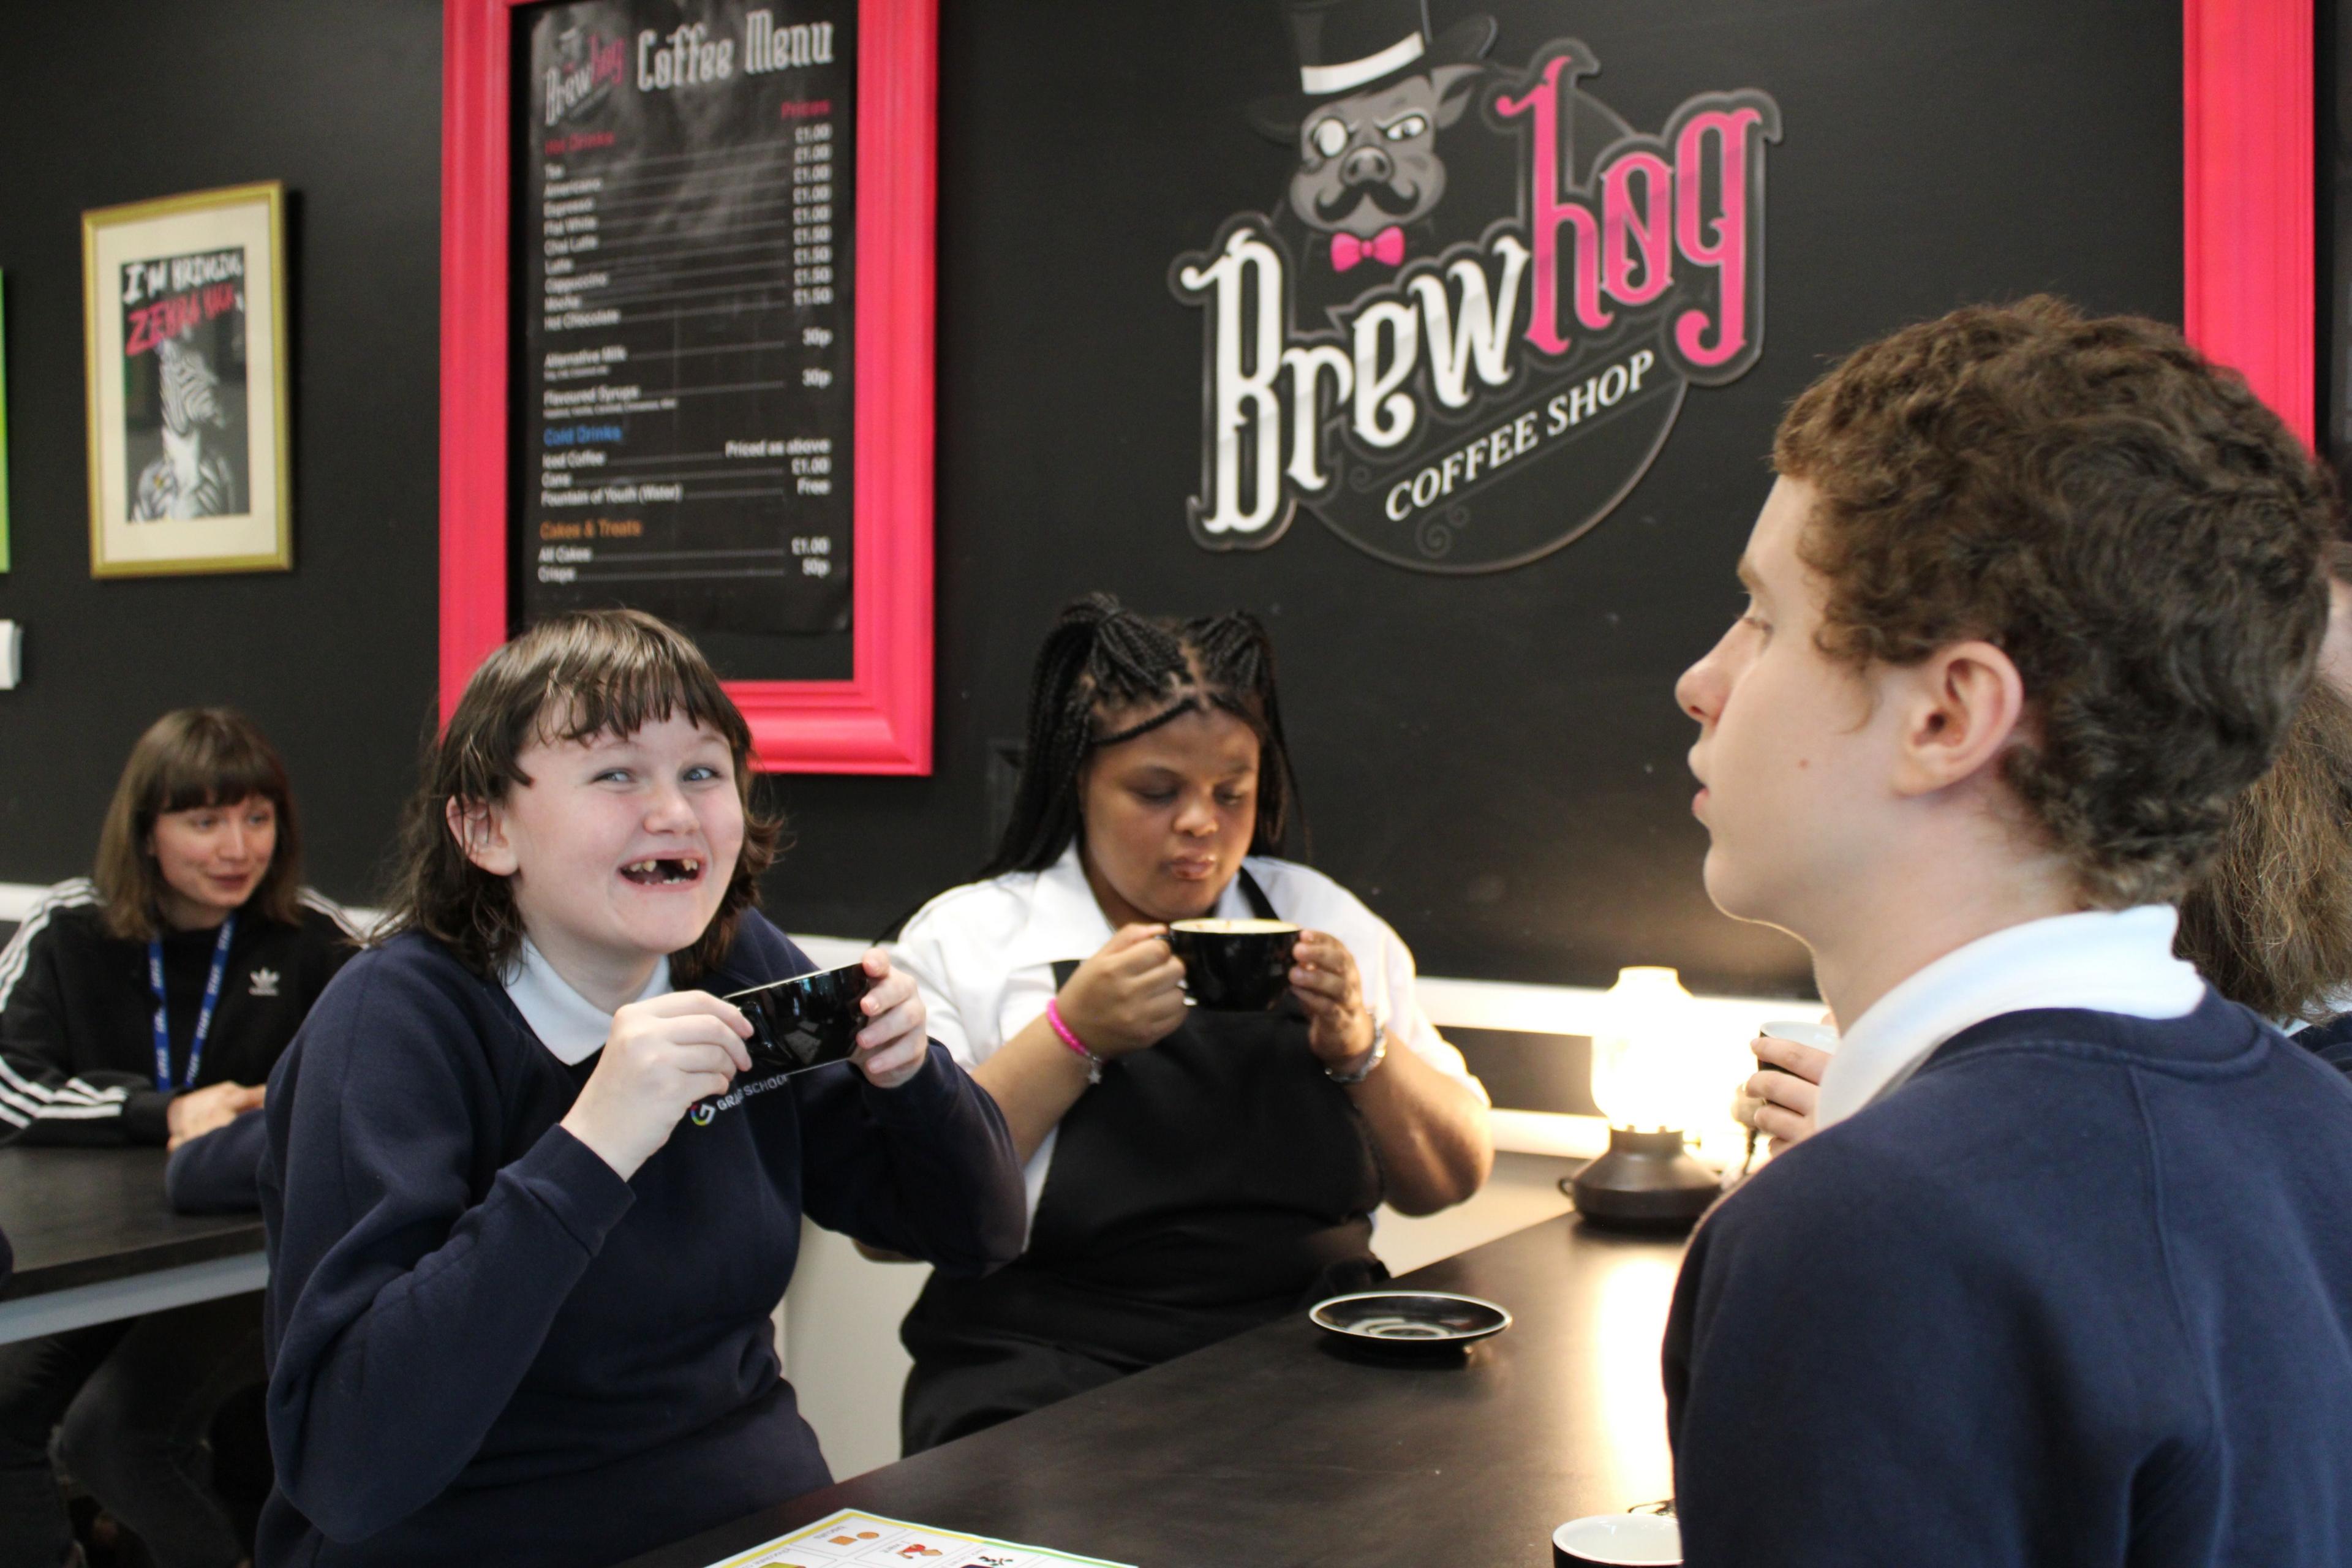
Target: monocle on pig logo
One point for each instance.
(1471, 271)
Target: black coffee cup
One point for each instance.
(807, 1021)
(1234, 966)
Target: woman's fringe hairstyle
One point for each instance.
(569, 678)
(192, 757)
(1103, 658)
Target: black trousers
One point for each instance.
(130, 1402)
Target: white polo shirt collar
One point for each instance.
(2104, 961)
(571, 1026)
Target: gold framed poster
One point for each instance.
(184, 328)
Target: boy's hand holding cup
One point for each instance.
(1778, 1101)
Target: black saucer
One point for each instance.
(1408, 1320)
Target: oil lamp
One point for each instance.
(1647, 1069)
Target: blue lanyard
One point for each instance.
(203, 1016)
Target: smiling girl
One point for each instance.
(1190, 1173)
(520, 1301)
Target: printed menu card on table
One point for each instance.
(853, 1540)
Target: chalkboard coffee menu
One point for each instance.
(682, 418)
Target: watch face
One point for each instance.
(805, 1021)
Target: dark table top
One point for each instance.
(1279, 1448)
(82, 1217)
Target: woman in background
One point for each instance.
(1189, 1175)
(147, 1005)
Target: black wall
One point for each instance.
(341, 100)
(1496, 763)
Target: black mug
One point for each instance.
(1234, 966)
(807, 1021)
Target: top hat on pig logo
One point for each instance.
(1349, 46)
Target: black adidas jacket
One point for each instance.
(77, 1034)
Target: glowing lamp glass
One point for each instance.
(1645, 1061)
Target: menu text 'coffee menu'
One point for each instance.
(683, 415)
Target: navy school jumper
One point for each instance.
(2078, 1294)
(486, 1347)
(219, 1173)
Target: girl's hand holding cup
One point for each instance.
(664, 1054)
(892, 1046)
(1340, 1027)
(1129, 996)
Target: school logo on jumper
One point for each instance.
(705, 1111)
(1473, 272)
(261, 983)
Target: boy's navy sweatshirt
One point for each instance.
(486, 1347)
(2079, 1293)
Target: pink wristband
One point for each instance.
(1062, 1033)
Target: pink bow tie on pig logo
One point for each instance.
(1387, 247)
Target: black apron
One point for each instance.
(1207, 1185)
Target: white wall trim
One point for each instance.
(1451, 1005)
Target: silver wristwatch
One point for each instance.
(1370, 1060)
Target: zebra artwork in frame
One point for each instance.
(185, 331)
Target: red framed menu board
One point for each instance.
(2248, 137)
(687, 287)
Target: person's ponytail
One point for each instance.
(1046, 801)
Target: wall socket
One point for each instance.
(11, 655)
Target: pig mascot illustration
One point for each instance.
(1374, 89)
(1441, 301)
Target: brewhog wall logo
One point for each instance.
(1466, 331)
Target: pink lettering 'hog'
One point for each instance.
(1725, 250)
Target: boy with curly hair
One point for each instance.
(2066, 1274)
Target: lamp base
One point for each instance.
(1645, 1182)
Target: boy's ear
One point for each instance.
(1962, 706)
(480, 829)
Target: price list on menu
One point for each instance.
(682, 421)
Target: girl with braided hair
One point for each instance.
(1190, 1173)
